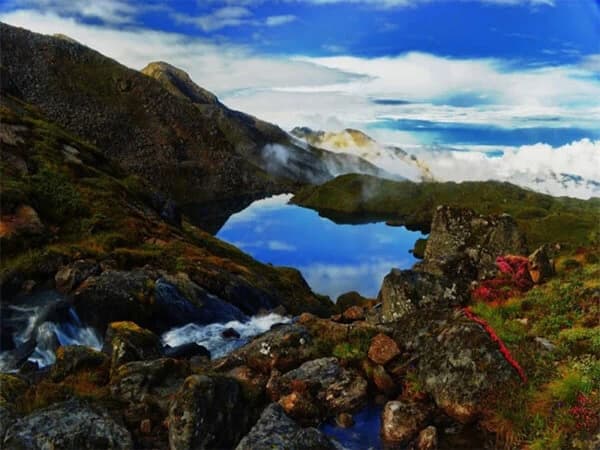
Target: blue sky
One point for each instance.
(477, 75)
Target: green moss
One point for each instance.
(55, 197)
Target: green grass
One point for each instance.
(544, 219)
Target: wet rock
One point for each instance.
(230, 333)
(275, 429)
(383, 349)
(540, 265)
(405, 291)
(73, 358)
(126, 341)
(320, 387)
(149, 381)
(464, 245)
(71, 425)
(186, 351)
(401, 421)
(116, 296)
(193, 421)
(353, 314)
(427, 439)
(180, 301)
(68, 278)
(282, 348)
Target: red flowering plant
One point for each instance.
(586, 415)
(513, 278)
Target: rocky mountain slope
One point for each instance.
(66, 207)
(354, 142)
(160, 125)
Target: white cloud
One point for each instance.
(274, 21)
(336, 279)
(220, 68)
(109, 11)
(228, 16)
(391, 4)
(539, 167)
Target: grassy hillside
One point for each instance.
(543, 218)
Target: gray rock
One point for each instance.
(405, 291)
(72, 358)
(401, 421)
(126, 341)
(71, 425)
(275, 430)
(207, 413)
(464, 245)
(327, 389)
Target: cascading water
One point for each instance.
(41, 323)
(210, 336)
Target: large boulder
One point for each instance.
(464, 245)
(71, 425)
(456, 361)
(116, 296)
(401, 421)
(126, 341)
(208, 412)
(149, 381)
(275, 430)
(319, 388)
(283, 348)
(405, 291)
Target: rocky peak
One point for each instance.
(179, 83)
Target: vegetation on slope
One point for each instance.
(543, 218)
(63, 200)
(554, 332)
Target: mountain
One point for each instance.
(393, 159)
(160, 125)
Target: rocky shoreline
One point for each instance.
(414, 351)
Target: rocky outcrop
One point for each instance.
(275, 429)
(151, 382)
(464, 245)
(401, 421)
(116, 296)
(455, 360)
(318, 388)
(427, 439)
(208, 412)
(406, 291)
(126, 342)
(73, 358)
(72, 425)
